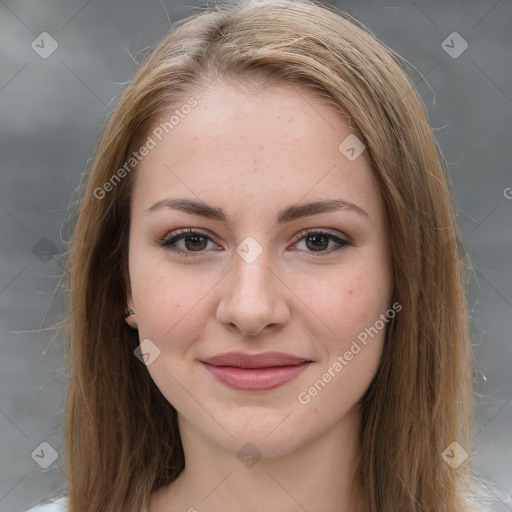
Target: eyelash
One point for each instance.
(181, 234)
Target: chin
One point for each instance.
(261, 446)
(272, 435)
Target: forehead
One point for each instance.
(277, 145)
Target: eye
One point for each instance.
(188, 241)
(194, 241)
(317, 242)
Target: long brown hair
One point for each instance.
(121, 437)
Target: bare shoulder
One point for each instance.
(56, 505)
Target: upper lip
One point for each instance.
(263, 360)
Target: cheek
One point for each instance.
(351, 306)
(348, 302)
(352, 350)
(170, 302)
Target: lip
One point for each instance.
(255, 372)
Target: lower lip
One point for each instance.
(256, 379)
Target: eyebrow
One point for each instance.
(287, 214)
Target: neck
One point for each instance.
(316, 476)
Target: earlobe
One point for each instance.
(129, 315)
(131, 318)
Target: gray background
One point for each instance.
(53, 111)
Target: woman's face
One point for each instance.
(268, 268)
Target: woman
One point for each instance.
(267, 284)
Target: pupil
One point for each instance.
(317, 237)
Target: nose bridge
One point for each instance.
(252, 273)
(252, 299)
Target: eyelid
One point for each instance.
(298, 236)
(186, 231)
(314, 231)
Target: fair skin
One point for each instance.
(253, 155)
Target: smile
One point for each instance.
(255, 372)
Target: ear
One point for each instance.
(131, 320)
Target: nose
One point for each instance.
(254, 299)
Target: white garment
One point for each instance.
(486, 502)
(57, 505)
